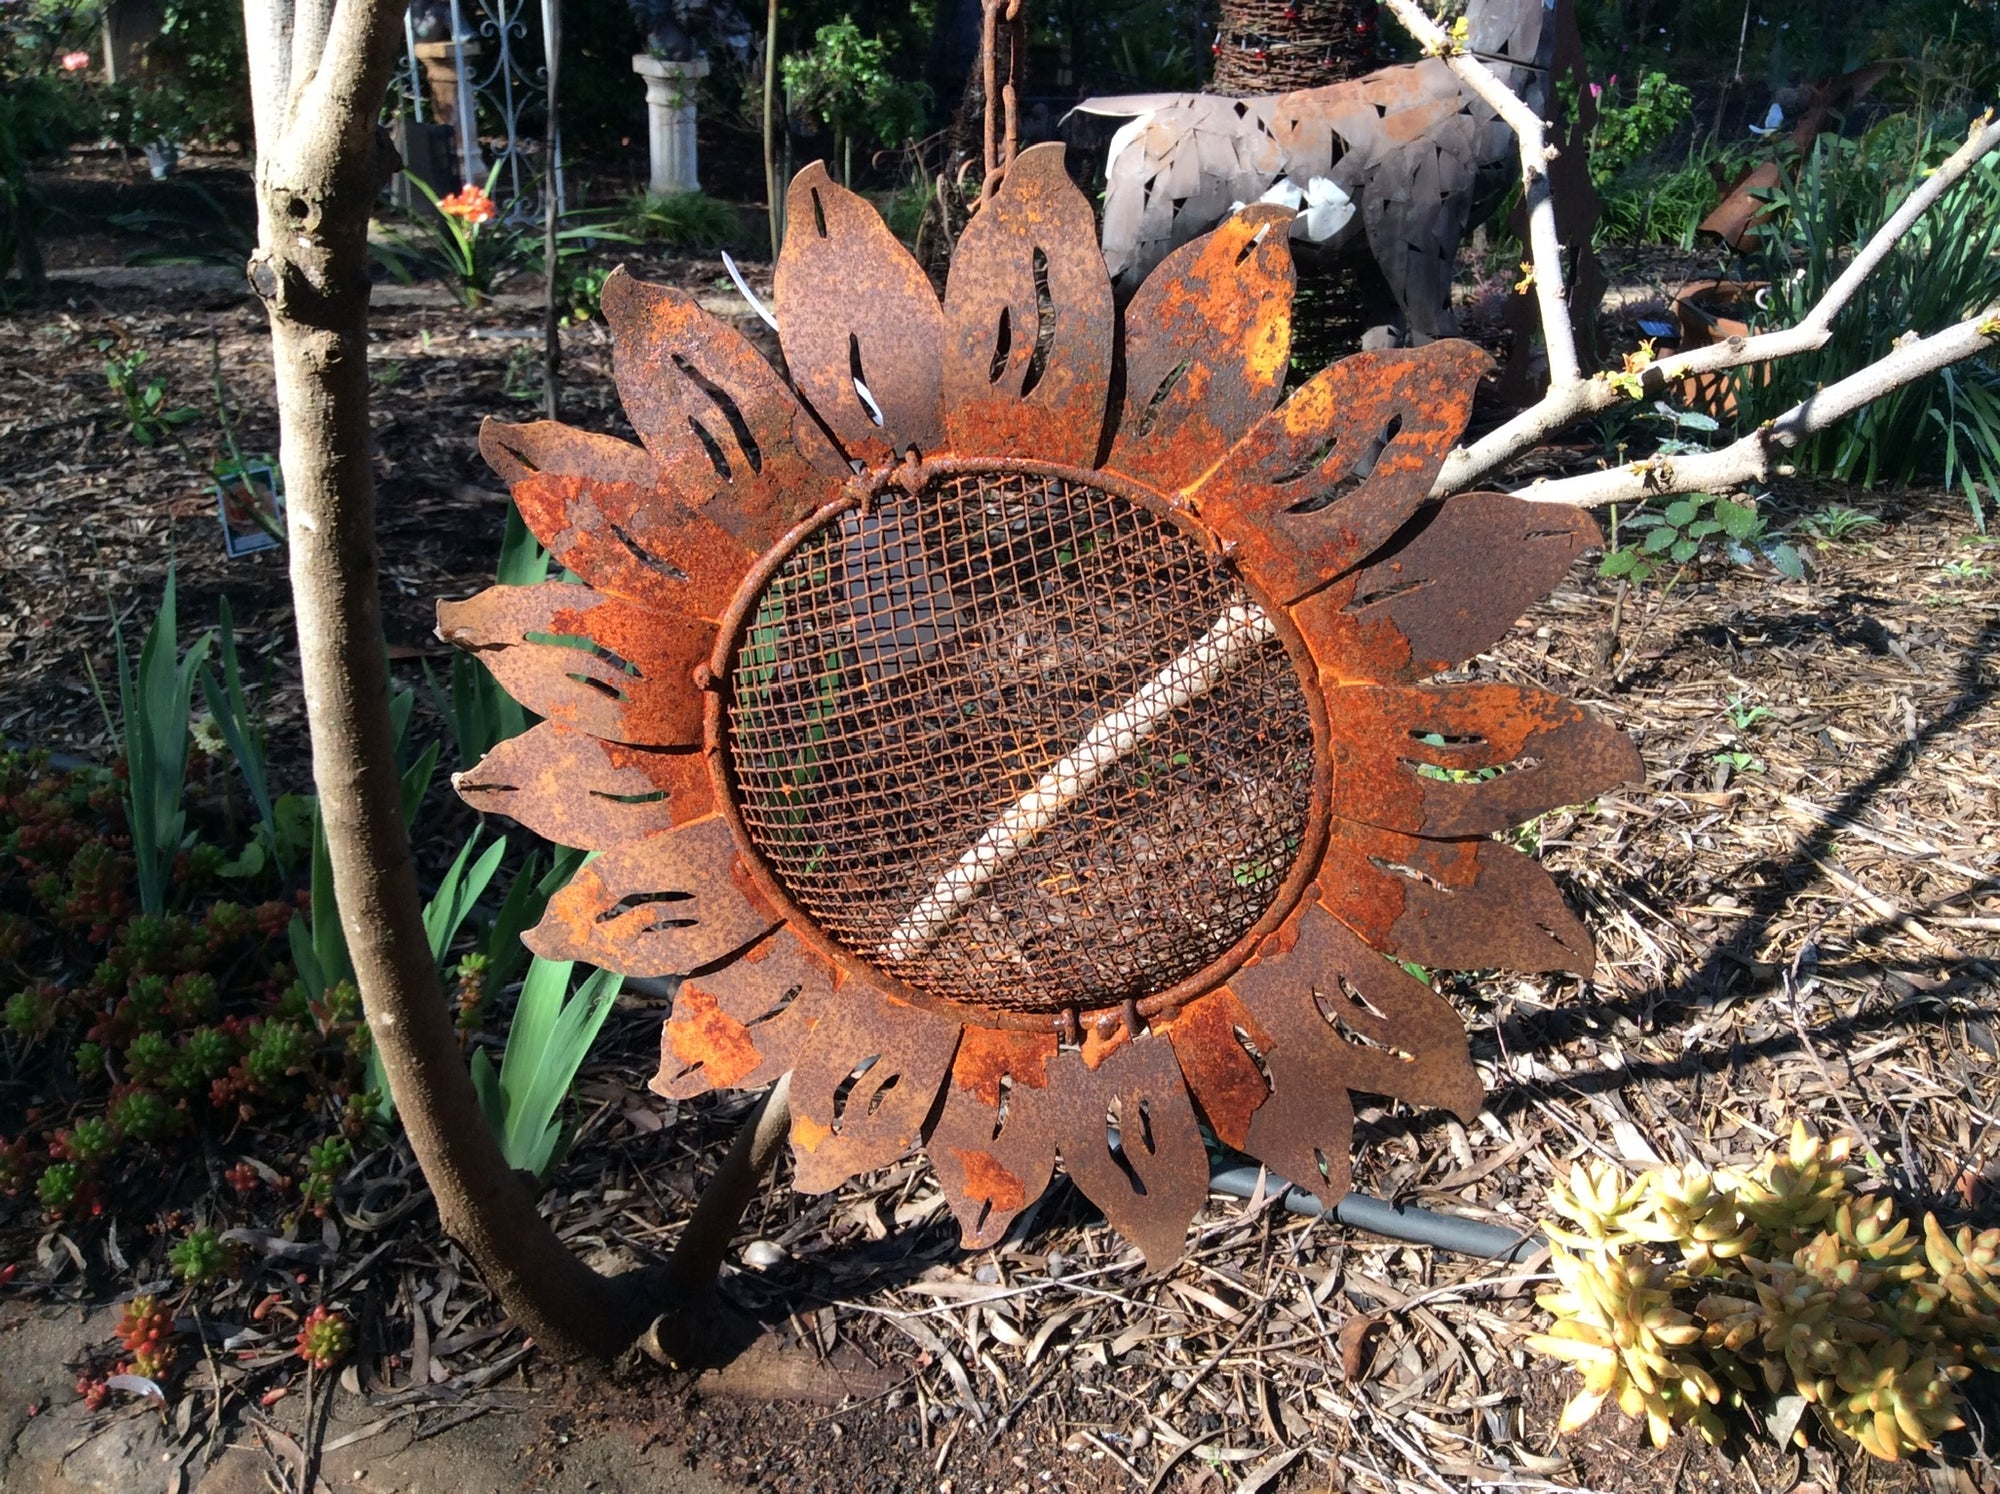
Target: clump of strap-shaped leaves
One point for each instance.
(1686, 1290)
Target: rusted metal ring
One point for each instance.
(913, 478)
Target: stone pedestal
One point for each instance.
(670, 89)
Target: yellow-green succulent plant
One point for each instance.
(1685, 1289)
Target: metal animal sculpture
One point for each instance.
(1403, 157)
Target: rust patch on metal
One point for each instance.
(1207, 340)
(583, 791)
(664, 905)
(633, 542)
(731, 437)
(1451, 904)
(866, 1080)
(1341, 1018)
(855, 314)
(1208, 1037)
(991, 1148)
(1029, 321)
(1152, 1178)
(1336, 470)
(989, 1056)
(595, 663)
(740, 1025)
(1468, 759)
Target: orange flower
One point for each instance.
(470, 203)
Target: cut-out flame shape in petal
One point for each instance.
(1015, 725)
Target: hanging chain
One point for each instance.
(1002, 127)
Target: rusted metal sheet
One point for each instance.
(1468, 759)
(599, 508)
(740, 1026)
(861, 328)
(584, 791)
(1410, 612)
(992, 1147)
(1340, 1018)
(1451, 904)
(619, 671)
(1207, 341)
(1335, 471)
(664, 905)
(1153, 1177)
(1223, 1076)
(518, 452)
(1029, 321)
(715, 415)
(1028, 829)
(864, 1086)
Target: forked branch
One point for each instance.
(1571, 397)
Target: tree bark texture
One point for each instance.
(322, 158)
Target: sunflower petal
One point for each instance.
(1450, 904)
(740, 1026)
(626, 673)
(855, 310)
(1336, 470)
(867, 1077)
(1029, 321)
(1208, 1037)
(1155, 1178)
(1207, 339)
(992, 1149)
(730, 435)
(1382, 1031)
(1411, 757)
(1341, 1019)
(599, 507)
(1413, 609)
(664, 905)
(519, 452)
(578, 790)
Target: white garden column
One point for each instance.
(670, 88)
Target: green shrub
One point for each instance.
(1945, 269)
(684, 220)
(844, 82)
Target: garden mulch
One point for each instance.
(1797, 915)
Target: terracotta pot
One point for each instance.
(1712, 311)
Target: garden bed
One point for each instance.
(1797, 916)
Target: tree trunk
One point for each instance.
(1275, 46)
(321, 160)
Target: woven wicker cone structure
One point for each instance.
(1018, 736)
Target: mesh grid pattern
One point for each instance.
(910, 673)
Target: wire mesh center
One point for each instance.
(911, 676)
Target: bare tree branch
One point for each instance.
(267, 34)
(1544, 248)
(1760, 455)
(1565, 404)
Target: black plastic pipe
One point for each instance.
(1380, 1217)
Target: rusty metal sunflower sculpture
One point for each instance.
(1015, 735)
